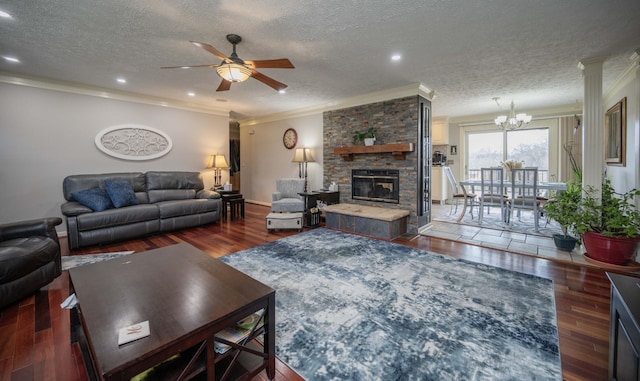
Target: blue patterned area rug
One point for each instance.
(354, 308)
(71, 261)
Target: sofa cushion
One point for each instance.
(288, 205)
(174, 180)
(94, 198)
(74, 183)
(21, 256)
(206, 193)
(171, 194)
(74, 208)
(176, 208)
(117, 217)
(121, 193)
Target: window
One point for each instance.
(488, 148)
(485, 149)
(530, 146)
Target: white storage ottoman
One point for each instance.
(284, 221)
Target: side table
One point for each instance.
(312, 220)
(234, 200)
(236, 206)
(328, 197)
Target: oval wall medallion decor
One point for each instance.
(133, 142)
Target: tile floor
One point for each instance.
(528, 244)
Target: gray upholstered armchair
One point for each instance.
(286, 197)
(29, 257)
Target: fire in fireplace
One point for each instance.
(381, 185)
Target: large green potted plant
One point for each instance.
(610, 225)
(563, 208)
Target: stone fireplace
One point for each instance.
(395, 121)
(377, 185)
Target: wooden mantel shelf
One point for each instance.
(398, 150)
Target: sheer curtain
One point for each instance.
(570, 137)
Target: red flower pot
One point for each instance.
(617, 251)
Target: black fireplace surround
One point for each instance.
(380, 185)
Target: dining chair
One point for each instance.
(493, 192)
(524, 193)
(459, 193)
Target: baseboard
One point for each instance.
(258, 202)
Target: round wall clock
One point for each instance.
(290, 138)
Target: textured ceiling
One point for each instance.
(467, 51)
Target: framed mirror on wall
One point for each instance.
(615, 133)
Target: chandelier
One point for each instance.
(513, 121)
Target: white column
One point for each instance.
(592, 123)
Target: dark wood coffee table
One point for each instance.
(185, 295)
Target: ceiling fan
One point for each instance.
(235, 69)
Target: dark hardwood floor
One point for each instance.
(34, 333)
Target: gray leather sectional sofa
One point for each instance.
(29, 257)
(163, 201)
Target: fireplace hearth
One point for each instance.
(379, 185)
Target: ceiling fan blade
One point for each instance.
(188, 67)
(279, 63)
(268, 80)
(224, 85)
(211, 50)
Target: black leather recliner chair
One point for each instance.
(29, 257)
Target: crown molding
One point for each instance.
(627, 75)
(590, 61)
(538, 114)
(385, 95)
(77, 88)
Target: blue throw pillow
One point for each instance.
(95, 199)
(121, 193)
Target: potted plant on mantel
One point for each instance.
(610, 227)
(563, 209)
(368, 137)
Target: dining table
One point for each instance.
(472, 183)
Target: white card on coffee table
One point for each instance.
(133, 332)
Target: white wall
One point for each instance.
(46, 135)
(263, 157)
(626, 178)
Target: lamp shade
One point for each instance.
(303, 155)
(233, 72)
(217, 161)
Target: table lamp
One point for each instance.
(302, 156)
(218, 162)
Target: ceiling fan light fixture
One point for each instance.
(233, 72)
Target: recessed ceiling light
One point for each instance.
(5, 15)
(283, 91)
(191, 94)
(396, 57)
(121, 80)
(11, 59)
